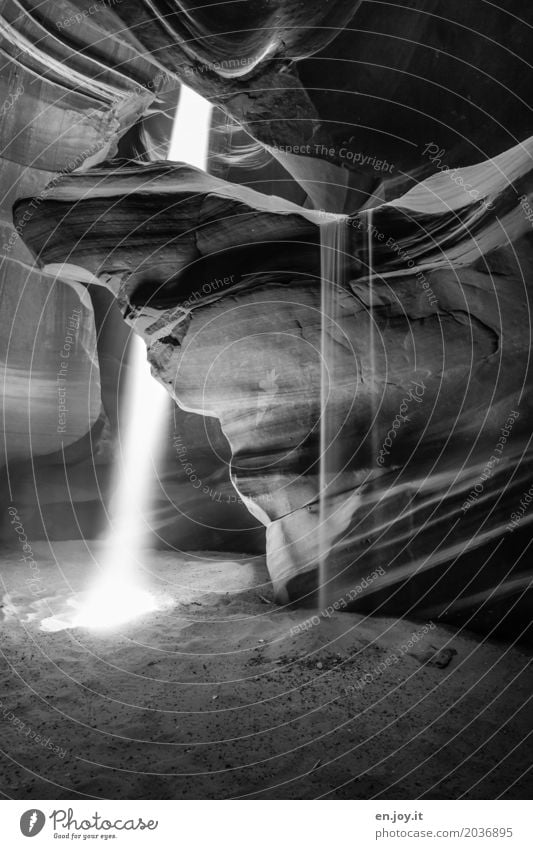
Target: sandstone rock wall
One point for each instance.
(425, 349)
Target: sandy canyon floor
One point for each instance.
(223, 694)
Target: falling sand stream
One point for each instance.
(334, 250)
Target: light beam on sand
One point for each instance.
(119, 594)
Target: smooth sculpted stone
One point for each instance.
(357, 100)
(428, 409)
(73, 82)
(367, 97)
(364, 89)
(70, 88)
(50, 371)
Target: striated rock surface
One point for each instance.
(430, 409)
(50, 373)
(77, 86)
(352, 93)
(69, 89)
(355, 99)
(428, 355)
(72, 83)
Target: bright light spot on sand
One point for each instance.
(107, 606)
(119, 594)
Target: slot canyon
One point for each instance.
(266, 334)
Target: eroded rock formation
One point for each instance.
(359, 102)
(77, 86)
(349, 93)
(224, 285)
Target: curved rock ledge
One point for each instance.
(364, 88)
(244, 346)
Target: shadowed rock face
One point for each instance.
(359, 95)
(68, 92)
(76, 87)
(424, 396)
(353, 93)
(355, 100)
(50, 373)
